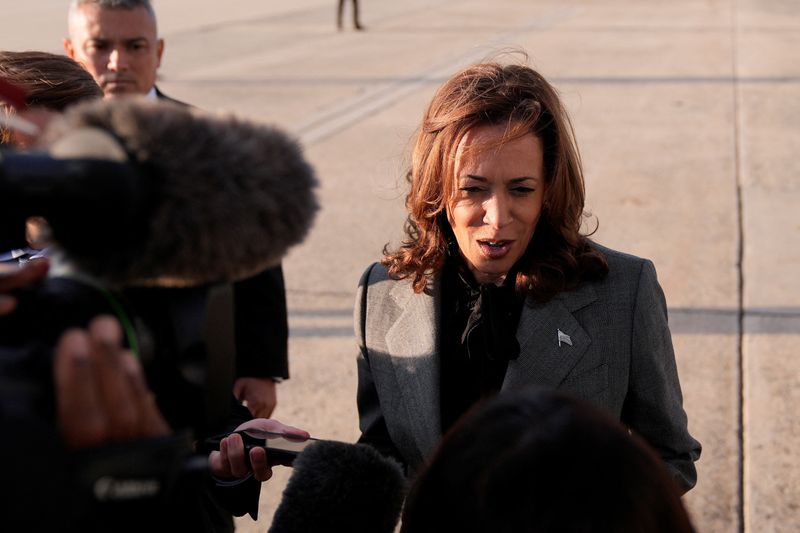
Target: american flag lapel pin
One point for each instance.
(563, 337)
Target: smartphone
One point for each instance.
(281, 449)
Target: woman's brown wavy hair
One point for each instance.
(51, 81)
(558, 256)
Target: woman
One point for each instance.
(539, 460)
(495, 288)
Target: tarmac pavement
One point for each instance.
(687, 116)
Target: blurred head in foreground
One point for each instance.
(541, 461)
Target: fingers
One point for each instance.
(150, 420)
(101, 392)
(81, 417)
(263, 409)
(112, 379)
(260, 409)
(229, 461)
(262, 470)
(234, 455)
(258, 394)
(239, 389)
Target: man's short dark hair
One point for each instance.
(116, 4)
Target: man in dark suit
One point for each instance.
(117, 42)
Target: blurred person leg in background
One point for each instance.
(340, 16)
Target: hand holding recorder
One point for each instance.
(256, 446)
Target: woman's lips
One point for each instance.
(494, 249)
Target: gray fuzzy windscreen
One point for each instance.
(337, 486)
(230, 196)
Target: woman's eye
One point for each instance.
(471, 189)
(522, 190)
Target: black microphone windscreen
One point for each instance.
(229, 197)
(336, 486)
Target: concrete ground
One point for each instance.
(687, 115)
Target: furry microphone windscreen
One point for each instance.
(227, 197)
(336, 486)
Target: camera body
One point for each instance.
(171, 330)
(98, 210)
(135, 209)
(144, 480)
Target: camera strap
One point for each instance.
(62, 270)
(124, 320)
(193, 317)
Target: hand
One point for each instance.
(101, 393)
(258, 394)
(229, 461)
(14, 277)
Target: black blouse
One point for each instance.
(478, 338)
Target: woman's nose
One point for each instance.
(497, 211)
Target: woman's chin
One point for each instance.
(489, 274)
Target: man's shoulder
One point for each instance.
(162, 96)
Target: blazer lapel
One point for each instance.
(546, 356)
(413, 342)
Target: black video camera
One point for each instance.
(183, 336)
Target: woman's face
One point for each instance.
(497, 201)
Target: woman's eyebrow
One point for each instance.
(524, 178)
(512, 180)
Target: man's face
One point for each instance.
(119, 47)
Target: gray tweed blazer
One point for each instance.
(620, 359)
